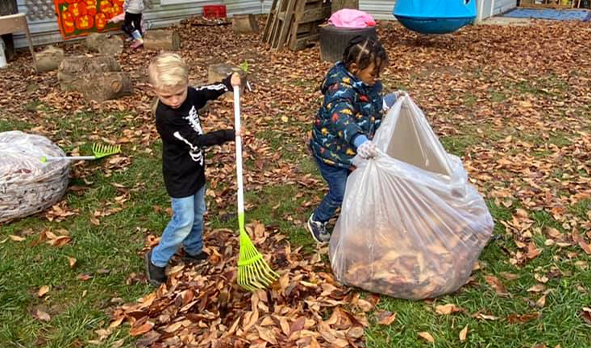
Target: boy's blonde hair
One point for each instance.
(168, 70)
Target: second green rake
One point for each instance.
(253, 271)
(99, 151)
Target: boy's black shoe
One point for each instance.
(318, 230)
(188, 258)
(156, 275)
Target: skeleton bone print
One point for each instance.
(193, 119)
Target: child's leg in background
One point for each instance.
(137, 22)
(179, 227)
(336, 178)
(193, 244)
(128, 23)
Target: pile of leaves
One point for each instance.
(202, 306)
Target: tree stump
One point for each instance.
(245, 24)
(341, 4)
(104, 86)
(49, 59)
(71, 68)
(106, 44)
(168, 40)
(218, 72)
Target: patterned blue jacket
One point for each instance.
(350, 109)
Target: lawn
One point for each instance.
(513, 102)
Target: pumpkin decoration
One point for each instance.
(68, 21)
(77, 9)
(84, 22)
(100, 21)
(91, 7)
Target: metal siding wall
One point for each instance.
(46, 31)
(502, 6)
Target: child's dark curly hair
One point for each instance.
(363, 51)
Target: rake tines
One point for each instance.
(105, 150)
(253, 271)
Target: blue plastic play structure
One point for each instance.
(435, 16)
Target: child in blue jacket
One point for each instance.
(346, 123)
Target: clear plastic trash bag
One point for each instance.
(27, 185)
(411, 226)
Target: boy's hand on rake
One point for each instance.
(235, 80)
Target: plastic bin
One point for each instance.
(214, 11)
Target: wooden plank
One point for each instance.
(286, 24)
(303, 42)
(299, 12)
(268, 25)
(317, 14)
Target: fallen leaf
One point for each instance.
(448, 309)
(43, 290)
(464, 333)
(16, 238)
(142, 329)
(522, 318)
(496, 284)
(385, 317)
(586, 315)
(537, 288)
(427, 337)
(72, 262)
(41, 315)
(541, 302)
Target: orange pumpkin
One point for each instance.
(84, 22)
(68, 22)
(100, 21)
(91, 7)
(105, 6)
(118, 2)
(72, 1)
(78, 9)
(115, 10)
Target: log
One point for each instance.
(104, 86)
(218, 72)
(341, 4)
(168, 40)
(245, 24)
(49, 59)
(106, 44)
(72, 67)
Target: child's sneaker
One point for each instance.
(156, 275)
(318, 230)
(188, 258)
(136, 44)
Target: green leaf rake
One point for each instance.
(99, 151)
(253, 271)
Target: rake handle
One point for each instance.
(70, 158)
(238, 141)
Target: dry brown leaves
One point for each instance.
(203, 306)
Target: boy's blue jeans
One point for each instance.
(185, 227)
(336, 178)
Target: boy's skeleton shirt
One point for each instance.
(193, 119)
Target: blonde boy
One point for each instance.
(183, 160)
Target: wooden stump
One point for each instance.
(341, 4)
(49, 59)
(71, 68)
(218, 72)
(104, 86)
(168, 40)
(245, 24)
(104, 44)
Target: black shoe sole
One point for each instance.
(147, 263)
(312, 233)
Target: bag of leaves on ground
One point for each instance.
(411, 226)
(28, 185)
